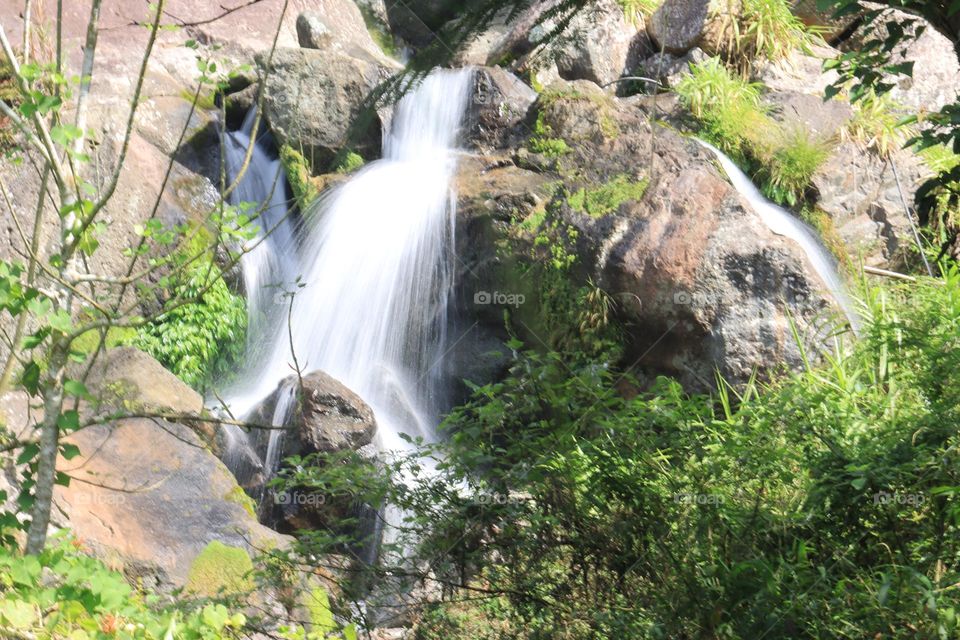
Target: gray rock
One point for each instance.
(670, 69)
(147, 497)
(337, 25)
(499, 108)
(314, 95)
(127, 378)
(677, 26)
(799, 72)
(601, 45)
(331, 417)
(859, 190)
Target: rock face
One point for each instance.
(701, 282)
(677, 26)
(314, 95)
(499, 108)
(148, 497)
(601, 45)
(127, 376)
(863, 196)
(337, 25)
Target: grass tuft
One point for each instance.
(792, 165)
(876, 125)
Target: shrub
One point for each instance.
(769, 29)
(62, 593)
(199, 341)
(728, 106)
(793, 164)
(876, 125)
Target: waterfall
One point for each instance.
(374, 261)
(270, 259)
(783, 223)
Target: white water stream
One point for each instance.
(375, 261)
(783, 223)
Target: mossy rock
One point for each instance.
(607, 198)
(238, 496)
(220, 570)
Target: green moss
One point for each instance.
(238, 496)
(379, 31)
(608, 125)
(299, 175)
(220, 569)
(116, 337)
(543, 141)
(606, 198)
(206, 101)
(349, 162)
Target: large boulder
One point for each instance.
(935, 81)
(313, 415)
(677, 26)
(601, 44)
(149, 498)
(337, 25)
(701, 284)
(128, 379)
(313, 96)
(866, 196)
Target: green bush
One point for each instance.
(201, 341)
(572, 503)
(728, 106)
(769, 29)
(792, 165)
(62, 593)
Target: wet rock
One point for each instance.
(499, 108)
(670, 69)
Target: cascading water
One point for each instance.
(782, 223)
(375, 262)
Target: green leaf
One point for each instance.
(30, 378)
(17, 613)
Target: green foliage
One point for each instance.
(350, 162)
(728, 106)
(299, 176)
(607, 198)
(220, 570)
(636, 10)
(61, 593)
(793, 164)
(876, 125)
(198, 341)
(544, 142)
(769, 29)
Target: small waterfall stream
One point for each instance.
(374, 262)
(783, 223)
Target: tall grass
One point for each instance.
(793, 163)
(876, 124)
(768, 29)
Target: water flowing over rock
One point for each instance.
(376, 265)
